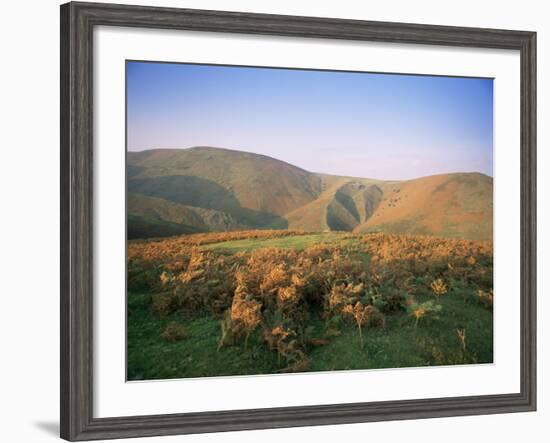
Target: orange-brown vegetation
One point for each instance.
(275, 292)
(449, 205)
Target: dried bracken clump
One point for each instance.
(461, 335)
(486, 298)
(245, 312)
(197, 282)
(458, 259)
(284, 341)
(438, 287)
(230, 331)
(288, 298)
(163, 303)
(174, 332)
(274, 279)
(420, 310)
(194, 268)
(360, 314)
(166, 278)
(344, 294)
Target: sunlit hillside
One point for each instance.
(207, 189)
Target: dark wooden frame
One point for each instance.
(77, 24)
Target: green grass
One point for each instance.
(289, 242)
(400, 344)
(152, 357)
(410, 226)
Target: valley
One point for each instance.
(205, 189)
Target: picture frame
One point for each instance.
(78, 21)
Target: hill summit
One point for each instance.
(200, 189)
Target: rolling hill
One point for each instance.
(202, 189)
(156, 215)
(343, 205)
(448, 205)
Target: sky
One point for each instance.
(384, 126)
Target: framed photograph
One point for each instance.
(272, 221)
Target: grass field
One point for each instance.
(270, 302)
(297, 242)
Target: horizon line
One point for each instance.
(435, 174)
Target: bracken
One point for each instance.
(360, 279)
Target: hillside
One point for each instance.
(211, 189)
(344, 204)
(222, 179)
(155, 214)
(449, 205)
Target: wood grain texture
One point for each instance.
(77, 22)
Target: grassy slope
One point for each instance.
(449, 205)
(152, 357)
(158, 210)
(290, 242)
(400, 344)
(257, 182)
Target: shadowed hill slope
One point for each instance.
(213, 189)
(196, 219)
(256, 182)
(344, 204)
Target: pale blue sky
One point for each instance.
(383, 126)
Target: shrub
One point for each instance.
(486, 298)
(461, 335)
(420, 310)
(361, 280)
(163, 303)
(174, 332)
(439, 287)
